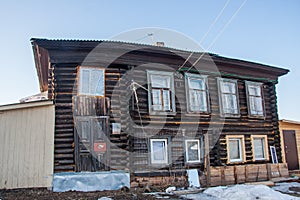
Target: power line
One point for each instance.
(219, 34)
(209, 29)
(216, 19)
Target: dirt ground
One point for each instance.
(43, 194)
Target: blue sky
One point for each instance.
(264, 31)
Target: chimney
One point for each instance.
(160, 44)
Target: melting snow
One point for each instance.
(238, 192)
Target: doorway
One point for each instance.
(92, 149)
(290, 147)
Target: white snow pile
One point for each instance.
(287, 187)
(240, 192)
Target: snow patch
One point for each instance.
(238, 192)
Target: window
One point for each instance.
(259, 146)
(159, 151)
(192, 151)
(235, 149)
(228, 95)
(197, 93)
(161, 92)
(91, 81)
(255, 100)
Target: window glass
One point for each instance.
(166, 100)
(85, 74)
(158, 81)
(259, 148)
(228, 87)
(156, 99)
(91, 81)
(159, 151)
(192, 151)
(161, 92)
(197, 93)
(197, 84)
(235, 151)
(228, 97)
(255, 99)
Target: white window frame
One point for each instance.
(242, 153)
(170, 89)
(223, 112)
(198, 151)
(265, 147)
(254, 113)
(82, 83)
(188, 78)
(161, 162)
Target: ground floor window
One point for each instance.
(192, 151)
(235, 149)
(259, 146)
(159, 151)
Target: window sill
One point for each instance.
(256, 117)
(236, 162)
(230, 116)
(260, 160)
(193, 164)
(201, 114)
(162, 113)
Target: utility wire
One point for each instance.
(216, 19)
(219, 34)
(209, 29)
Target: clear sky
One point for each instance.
(264, 31)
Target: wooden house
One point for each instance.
(157, 112)
(290, 133)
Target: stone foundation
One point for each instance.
(163, 181)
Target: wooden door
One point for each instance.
(92, 150)
(291, 153)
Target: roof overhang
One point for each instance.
(47, 52)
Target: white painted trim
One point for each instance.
(152, 151)
(25, 105)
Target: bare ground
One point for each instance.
(42, 193)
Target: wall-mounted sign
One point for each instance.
(100, 147)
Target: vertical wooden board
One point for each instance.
(23, 150)
(11, 149)
(49, 147)
(27, 164)
(39, 147)
(17, 147)
(3, 153)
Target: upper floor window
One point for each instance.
(161, 92)
(255, 99)
(91, 81)
(197, 93)
(228, 95)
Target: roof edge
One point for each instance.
(31, 104)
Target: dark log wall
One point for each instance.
(173, 125)
(132, 145)
(62, 86)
